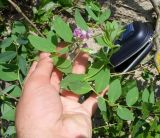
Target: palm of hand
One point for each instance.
(43, 108)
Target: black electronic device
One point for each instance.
(136, 43)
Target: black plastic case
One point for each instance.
(136, 42)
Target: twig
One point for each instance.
(126, 73)
(26, 18)
(130, 72)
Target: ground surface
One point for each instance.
(132, 10)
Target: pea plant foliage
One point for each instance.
(126, 110)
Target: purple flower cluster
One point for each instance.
(82, 34)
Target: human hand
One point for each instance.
(43, 112)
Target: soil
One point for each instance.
(132, 10)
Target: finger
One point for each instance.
(44, 55)
(91, 103)
(34, 65)
(59, 48)
(44, 66)
(80, 64)
(32, 68)
(43, 71)
(56, 78)
(56, 74)
(79, 67)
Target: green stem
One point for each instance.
(107, 125)
(18, 71)
(2, 130)
(8, 95)
(19, 80)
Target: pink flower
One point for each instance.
(89, 33)
(82, 34)
(77, 32)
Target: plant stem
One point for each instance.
(107, 125)
(26, 18)
(19, 80)
(119, 74)
(10, 96)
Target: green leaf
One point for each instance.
(1, 4)
(48, 6)
(145, 95)
(137, 128)
(7, 56)
(65, 70)
(132, 96)
(10, 131)
(152, 97)
(157, 107)
(105, 111)
(128, 86)
(22, 63)
(125, 113)
(22, 40)
(41, 44)
(7, 75)
(6, 90)
(14, 37)
(104, 16)
(8, 113)
(62, 29)
(91, 13)
(63, 50)
(158, 128)
(70, 79)
(102, 80)
(76, 83)
(6, 42)
(112, 31)
(16, 92)
(80, 87)
(43, 3)
(62, 64)
(102, 104)
(157, 135)
(51, 36)
(80, 21)
(114, 91)
(93, 70)
(146, 109)
(100, 41)
(94, 6)
(66, 2)
(18, 27)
